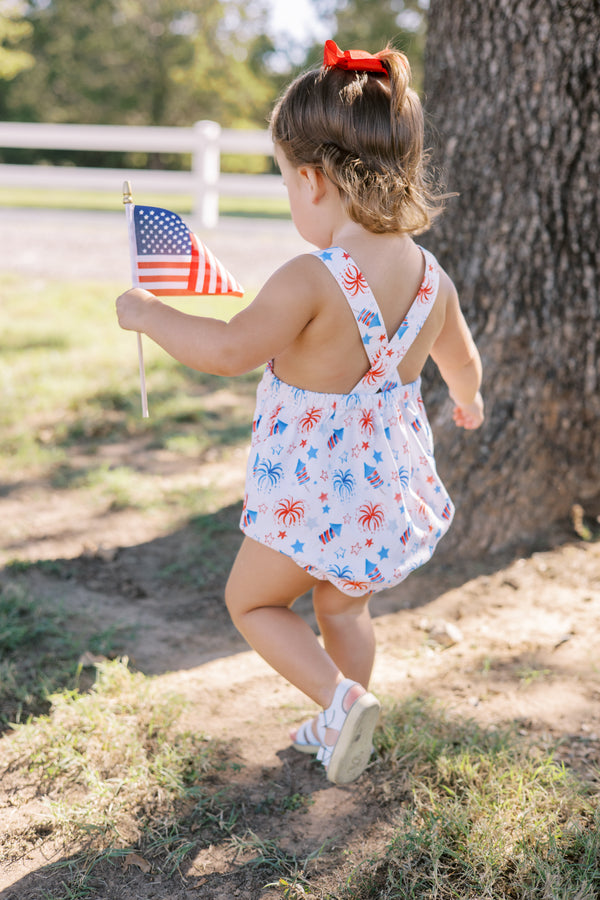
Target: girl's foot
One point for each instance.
(349, 723)
(309, 736)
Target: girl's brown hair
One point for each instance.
(365, 132)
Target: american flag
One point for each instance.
(170, 260)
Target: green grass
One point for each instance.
(70, 390)
(118, 773)
(482, 814)
(250, 207)
(41, 646)
(472, 813)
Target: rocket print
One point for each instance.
(330, 533)
(300, 472)
(335, 438)
(373, 476)
(372, 572)
(369, 318)
(249, 517)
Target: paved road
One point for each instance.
(75, 245)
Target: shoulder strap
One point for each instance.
(359, 295)
(420, 308)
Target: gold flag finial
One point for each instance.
(127, 195)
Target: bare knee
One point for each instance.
(235, 600)
(329, 602)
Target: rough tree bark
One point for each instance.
(513, 94)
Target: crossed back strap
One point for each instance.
(384, 355)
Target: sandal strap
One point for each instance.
(306, 735)
(335, 714)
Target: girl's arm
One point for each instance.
(458, 360)
(280, 311)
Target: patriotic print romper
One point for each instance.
(346, 484)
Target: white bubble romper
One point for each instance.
(346, 484)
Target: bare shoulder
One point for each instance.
(447, 289)
(302, 283)
(304, 271)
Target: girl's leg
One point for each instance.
(260, 591)
(347, 630)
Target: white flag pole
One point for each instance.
(129, 209)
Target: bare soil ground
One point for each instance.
(527, 652)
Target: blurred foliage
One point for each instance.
(142, 62)
(168, 62)
(13, 31)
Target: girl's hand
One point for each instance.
(132, 307)
(469, 416)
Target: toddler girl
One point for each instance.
(342, 491)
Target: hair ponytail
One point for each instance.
(366, 132)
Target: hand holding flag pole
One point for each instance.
(129, 210)
(167, 259)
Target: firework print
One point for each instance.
(346, 484)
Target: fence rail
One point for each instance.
(205, 141)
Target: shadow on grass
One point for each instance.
(446, 809)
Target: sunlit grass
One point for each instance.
(40, 648)
(471, 812)
(481, 814)
(69, 385)
(116, 770)
(47, 198)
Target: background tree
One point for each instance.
(513, 88)
(13, 31)
(150, 62)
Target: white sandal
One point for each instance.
(347, 758)
(305, 740)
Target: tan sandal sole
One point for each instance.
(353, 747)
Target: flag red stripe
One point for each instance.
(163, 265)
(193, 276)
(206, 282)
(148, 278)
(180, 292)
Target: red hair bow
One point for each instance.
(352, 60)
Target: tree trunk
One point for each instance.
(513, 94)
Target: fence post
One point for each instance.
(206, 168)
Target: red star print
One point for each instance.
(365, 445)
(369, 542)
(282, 534)
(323, 497)
(303, 443)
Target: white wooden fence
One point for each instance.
(205, 141)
